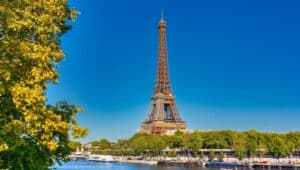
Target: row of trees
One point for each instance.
(246, 144)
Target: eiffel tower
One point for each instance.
(163, 116)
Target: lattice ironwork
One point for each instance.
(163, 114)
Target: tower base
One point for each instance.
(160, 127)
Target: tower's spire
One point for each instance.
(162, 82)
(162, 16)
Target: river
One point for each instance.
(87, 165)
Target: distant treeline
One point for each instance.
(246, 144)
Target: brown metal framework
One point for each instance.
(163, 115)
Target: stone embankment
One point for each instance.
(230, 163)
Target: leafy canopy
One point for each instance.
(246, 144)
(33, 134)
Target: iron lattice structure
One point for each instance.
(163, 115)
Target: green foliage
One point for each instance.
(156, 144)
(74, 145)
(221, 156)
(142, 143)
(201, 156)
(139, 143)
(294, 137)
(121, 144)
(193, 142)
(172, 154)
(33, 135)
(212, 155)
(246, 144)
(252, 142)
(101, 144)
(175, 141)
(216, 139)
(179, 133)
(277, 145)
(239, 144)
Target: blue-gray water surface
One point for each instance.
(87, 165)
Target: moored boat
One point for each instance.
(224, 164)
(102, 158)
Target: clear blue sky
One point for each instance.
(233, 64)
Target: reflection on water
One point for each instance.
(87, 165)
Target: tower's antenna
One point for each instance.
(161, 14)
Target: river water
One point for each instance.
(87, 165)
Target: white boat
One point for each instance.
(102, 158)
(75, 156)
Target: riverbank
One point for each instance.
(231, 163)
(185, 161)
(184, 164)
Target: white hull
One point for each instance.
(101, 158)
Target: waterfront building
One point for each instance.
(163, 116)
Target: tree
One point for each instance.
(102, 144)
(139, 143)
(172, 154)
(294, 137)
(74, 145)
(277, 146)
(215, 139)
(262, 148)
(33, 135)
(121, 144)
(239, 144)
(156, 144)
(252, 142)
(221, 156)
(212, 155)
(202, 156)
(142, 142)
(175, 141)
(193, 142)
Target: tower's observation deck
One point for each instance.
(163, 115)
